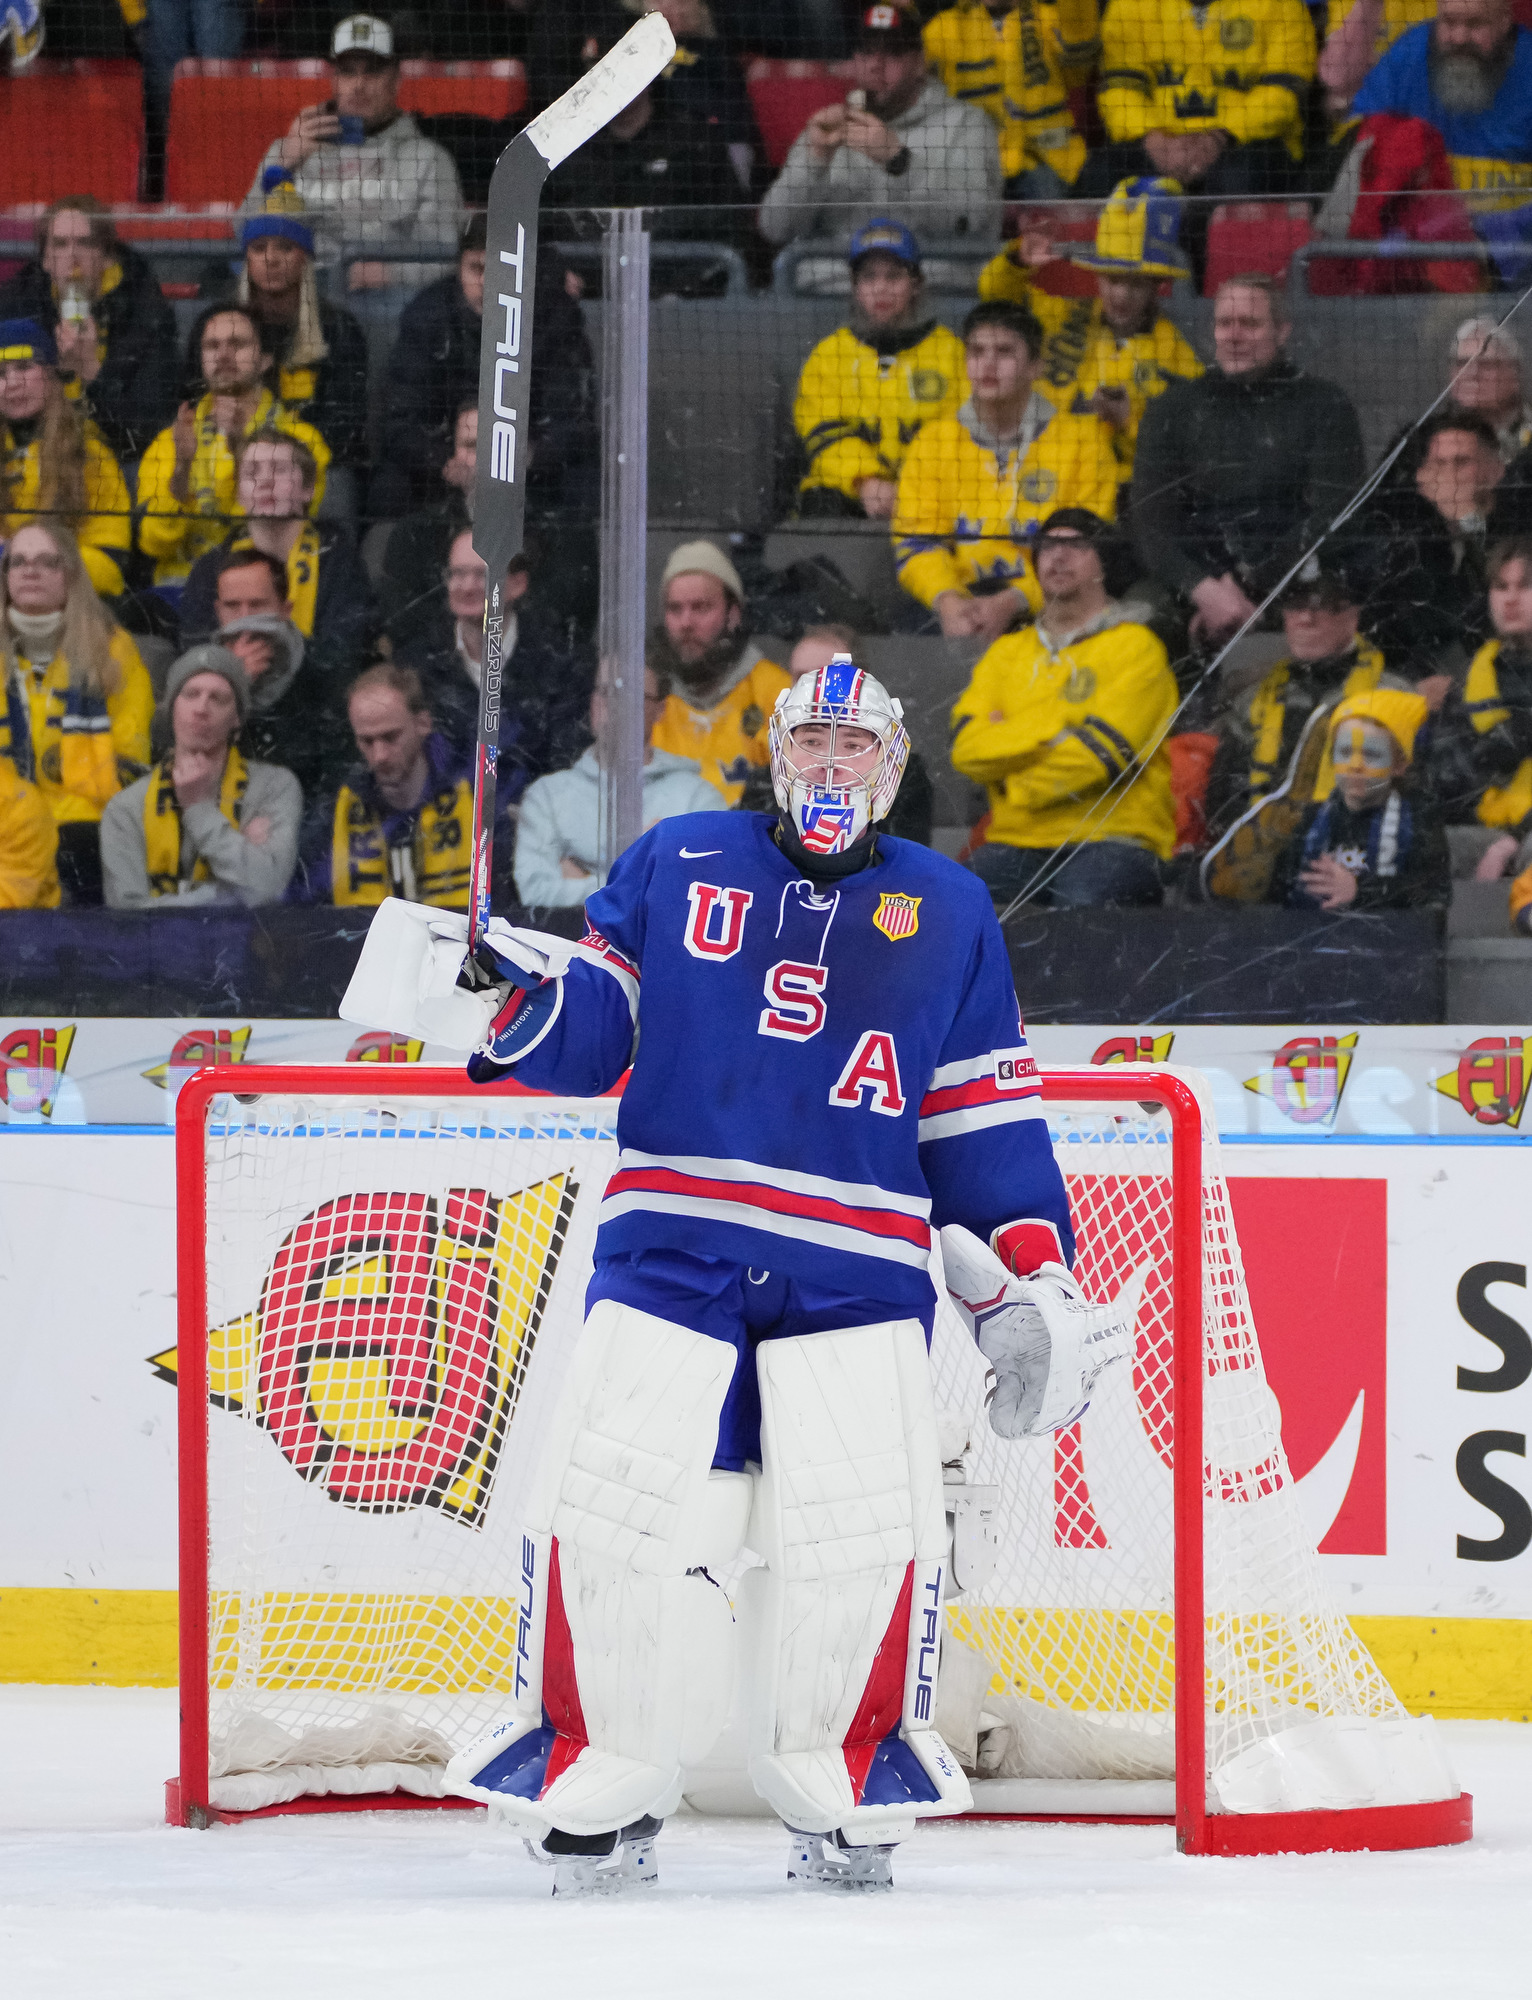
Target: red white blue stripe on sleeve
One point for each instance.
(842, 1215)
(1001, 1087)
(599, 951)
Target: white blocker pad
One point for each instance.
(625, 1659)
(850, 1523)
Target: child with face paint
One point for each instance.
(1375, 842)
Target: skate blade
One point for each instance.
(870, 1871)
(633, 1867)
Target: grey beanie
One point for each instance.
(208, 659)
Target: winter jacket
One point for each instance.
(1481, 757)
(1011, 69)
(561, 819)
(1261, 734)
(29, 840)
(546, 685)
(1397, 851)
(434, 368)
(862, 399)
(79, 749)
(397, 189)
(412, 593)
(333, 608)
(104, 531)
(678, 163)
(945, 183)
(246, 874)
(1425, 582)
(135, 393)
(1068, 735)
(1487, 149)
(967, 504)
(1238, 66)
(1241, 473)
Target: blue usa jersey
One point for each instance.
(821, 1074)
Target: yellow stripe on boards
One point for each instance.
(1457, 1668)
(100, 1638)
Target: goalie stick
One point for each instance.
(505, 384)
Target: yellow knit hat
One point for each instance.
(1398, 711)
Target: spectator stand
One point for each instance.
(69, 126)
(223, 115)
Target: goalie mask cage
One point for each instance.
(381, 1276)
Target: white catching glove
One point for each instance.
(410, 978)
(1045, 1341)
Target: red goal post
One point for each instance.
(1164, 1215)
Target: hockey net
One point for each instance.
(381, 1279)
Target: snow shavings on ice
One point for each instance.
(100, 1901)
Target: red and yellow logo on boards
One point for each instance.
(196, 1047)
(1307, 1077)
(391, 1339)
(31, 1062)
(1491, 1079)
(377, 1045)
(1135, 1049)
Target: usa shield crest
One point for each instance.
(898, 916)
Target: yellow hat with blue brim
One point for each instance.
(1138, 232)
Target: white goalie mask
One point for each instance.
(838, 751)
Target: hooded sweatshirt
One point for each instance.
(561, 819)
(945, 183)
(395, 190)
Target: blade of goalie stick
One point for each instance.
(505, 374)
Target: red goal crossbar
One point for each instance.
(1197, 1831)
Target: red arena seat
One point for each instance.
(223, 115)
(1254, 236)
(85, 121)
(785, 96)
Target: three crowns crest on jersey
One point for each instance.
(897, 916)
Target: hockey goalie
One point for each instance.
(828, 1063)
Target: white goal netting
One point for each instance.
(394, 1284)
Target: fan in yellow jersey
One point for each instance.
(1065, 724)
(865, 391)
(75, 698)
(187, 481)
(725, 687)
(974, 486)
(999, 54)
(54, 463)
(1211, 95)
(1111, 354)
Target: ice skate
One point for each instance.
(600, 1864)
(829, 1861)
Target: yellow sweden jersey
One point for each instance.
(1241, 66)
(1057, 738)
(857, 411)
(729, 737)
(965, 509)
(1010, 68)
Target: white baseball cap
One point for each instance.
(363, 35)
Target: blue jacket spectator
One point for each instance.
(1472, 79)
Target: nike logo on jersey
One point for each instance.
(698, 853)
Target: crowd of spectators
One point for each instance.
(1067, 485)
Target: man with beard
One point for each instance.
(725, 687)
(1468, 73)
(188, 483)
(898, 147)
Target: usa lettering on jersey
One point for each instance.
(716, 926)
(871, 1075)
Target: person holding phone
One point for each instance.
(368, 177)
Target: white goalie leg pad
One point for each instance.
(624, 1663)
(850, 1523)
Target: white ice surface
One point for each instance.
(100, 1901)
